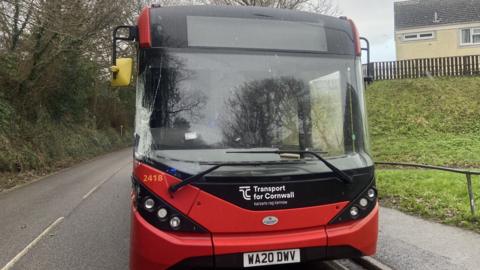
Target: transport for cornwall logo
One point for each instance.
(245, 192)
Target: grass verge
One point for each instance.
(25, 156)
(430, 121)
(439, 196)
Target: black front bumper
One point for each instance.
(235, 261)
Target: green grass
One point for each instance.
(427, 121)
(440, 196)
(33, 150)
(454, 150)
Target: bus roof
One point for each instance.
(260, 27)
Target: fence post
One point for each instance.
(417, 74)
(465, 65)
(470, 193)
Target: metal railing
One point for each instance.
(468, 174)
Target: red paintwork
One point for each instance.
(361, 234)
(144, 34)
(152, 249)
(356, 38)
(183, 199)
(232, 219)
(229, 218)
(236, 230)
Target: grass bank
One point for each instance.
(439, 196)
(432, 121)
(30, 151)
(428, 121)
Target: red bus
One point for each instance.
(251, 144)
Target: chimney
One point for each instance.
(435, 18)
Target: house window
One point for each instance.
(470, 36)
(418, 36)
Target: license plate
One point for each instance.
(271, 257)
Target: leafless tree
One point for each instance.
(40, 38)
(319, 6)
(267, 112)
(14, 18)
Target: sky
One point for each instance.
(374, 19)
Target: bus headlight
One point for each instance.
(175, 223)
(354, 211)
(371, 193)
(360, 207)
(161, 214)
(149, 203)
(363, 202)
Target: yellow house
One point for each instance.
(437, 28)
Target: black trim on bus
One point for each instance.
(235, 260)
(142, 193)
(312, 189)
(345, 215)
(169, 24)
(200, 263)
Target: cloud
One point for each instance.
(375, 21)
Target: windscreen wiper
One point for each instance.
(172, 189)
(340, 174)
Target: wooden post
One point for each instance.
(417, 73)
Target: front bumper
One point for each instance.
(154, 249)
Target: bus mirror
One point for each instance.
(122, 72)
(368, 78)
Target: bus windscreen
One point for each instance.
(222, 32)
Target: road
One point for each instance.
(79, 219)
(407, 242)
(92, 198)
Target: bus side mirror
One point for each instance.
(122, 72)
(367, 73)
(122, 67)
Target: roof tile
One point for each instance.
(418, 13)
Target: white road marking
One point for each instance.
(22, 253)
(91, 191)
(101, 183)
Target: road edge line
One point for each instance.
(104, 181)
(371, 263)
(24, 251)
(91, 191)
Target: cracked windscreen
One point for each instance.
(196, 105)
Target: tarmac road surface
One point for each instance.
(90, 203)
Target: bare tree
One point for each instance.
(14, 18)
(326, 7)
(43, 38)
(319, 6)
(263, 113)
